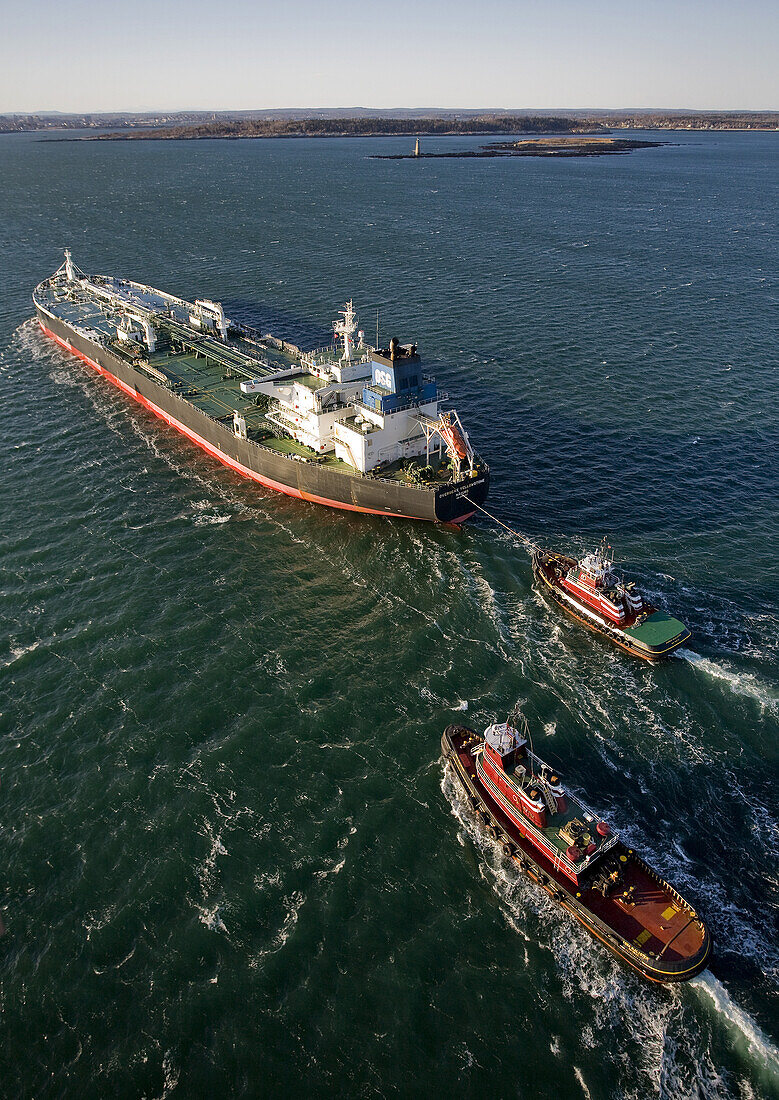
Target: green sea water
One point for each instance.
(232, 861)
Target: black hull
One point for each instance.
(306, 480)
(541, 872)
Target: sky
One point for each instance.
(83, 56)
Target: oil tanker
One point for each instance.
(347, 425)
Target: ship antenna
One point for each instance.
(516, 715)
(346, 328)
(519, 721)
(377, 330)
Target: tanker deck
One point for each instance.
(343, 425)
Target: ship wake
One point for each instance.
(666, 1046)
(740, 683)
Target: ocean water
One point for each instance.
(232, 861)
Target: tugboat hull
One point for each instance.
(657, 933)
(653, 640)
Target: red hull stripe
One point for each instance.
(215, 452)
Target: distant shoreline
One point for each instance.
(371, 122)
(156, 136)
(360, 127)
(482, 125)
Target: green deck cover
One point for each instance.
(656, 631)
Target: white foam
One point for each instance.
(334, 870)
(171, 1073)
(17, 652)
(741, 683)
(206, 514)
(758, 1043)
(294, 903)
(205, 874)
(211, 919)
(579, 1077)
(208, 521)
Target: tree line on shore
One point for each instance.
(369, 127)
(368, 124)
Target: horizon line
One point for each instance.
(480, 110)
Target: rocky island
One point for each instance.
(536, 147)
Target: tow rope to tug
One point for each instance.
(517, 534)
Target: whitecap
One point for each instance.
(580, 1078)
(211, 919)
(17, 652)
(741, 683)
(740, 1022)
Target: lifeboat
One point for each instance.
(591, 591)
(453, 436)
(575, 856)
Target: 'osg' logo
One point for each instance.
(384, 378)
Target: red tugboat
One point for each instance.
(591, 591)
(574, 855)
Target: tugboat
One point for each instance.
(591, 591)
(574, 855)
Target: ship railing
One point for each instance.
(331, 353)
(265, 338)
(333, 406)
(326, 349)
(282, 419)
(249, 349)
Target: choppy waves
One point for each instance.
(228, 856)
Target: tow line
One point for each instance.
(517, 534)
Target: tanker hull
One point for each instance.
(289, 474)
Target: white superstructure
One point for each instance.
(371, 408)
(367, 407)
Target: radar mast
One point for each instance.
(345, 328)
